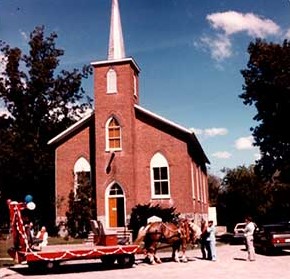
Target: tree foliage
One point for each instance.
(214, 188)
(40, 102)
(241, 194)
(80, 208)
(267, 87)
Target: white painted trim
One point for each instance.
(70, 129)
(171, 123)
(116, 61)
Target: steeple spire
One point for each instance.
(116, 44)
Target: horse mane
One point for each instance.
(196, 229)
(141, 234)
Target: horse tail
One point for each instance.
(141, 235)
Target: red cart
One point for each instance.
(52, 255)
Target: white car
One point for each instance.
(239, 231)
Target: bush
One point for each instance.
(140, 214)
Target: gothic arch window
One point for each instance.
(82, 173)
(159, 172)
(113, 135)
(115, 206)
(111, 81)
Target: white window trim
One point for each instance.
(193, 174)
(111, 81)
(135, 85)
(158, 161)
(81, 165)
(108, 149)
(107, 196)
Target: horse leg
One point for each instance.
(157, 259)
(175, 252)
(184, 258)
(153, 259)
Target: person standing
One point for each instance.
(203, 239)
(211, 241)
(249, 231)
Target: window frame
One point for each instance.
(111, 81)
(159, 161)
(108, 137)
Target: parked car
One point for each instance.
(238, 236)
(271, 237)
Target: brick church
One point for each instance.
(130, 154)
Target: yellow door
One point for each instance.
(113, 212)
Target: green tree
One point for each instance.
(214, 188)
(242, 193)
(41, 101)
(80, 207)
(267, 87)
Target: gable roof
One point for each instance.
(153, 119)
(184, 134)
(76, 126)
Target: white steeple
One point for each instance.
(116, 44)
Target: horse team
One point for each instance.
(177, 235)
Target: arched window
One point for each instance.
(113, 135)
(159, 170)
(82, 174)
(111, 81)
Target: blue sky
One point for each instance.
(190, 53)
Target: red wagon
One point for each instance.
(52, 255)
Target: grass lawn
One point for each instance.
(6, 242)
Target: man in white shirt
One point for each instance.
(249, 231)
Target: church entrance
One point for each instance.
(116, 206)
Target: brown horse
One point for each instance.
(169, 233)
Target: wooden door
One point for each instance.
(113, 212)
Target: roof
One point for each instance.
(72, 128)
(176, 129)
(159, 122)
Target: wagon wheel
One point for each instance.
(126, 260)
(108, 260)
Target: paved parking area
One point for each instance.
(231, 263)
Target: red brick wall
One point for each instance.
(130, 167)
(150, 141)
(66, 156)
(121, 106)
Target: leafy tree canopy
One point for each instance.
(267, 87)
(41, 101)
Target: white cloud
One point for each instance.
(257, 156)
(211, 132)
(232, 22)
(222, 155)
(244, 143)
(196, 131)
(24, 35)
(219, 46)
